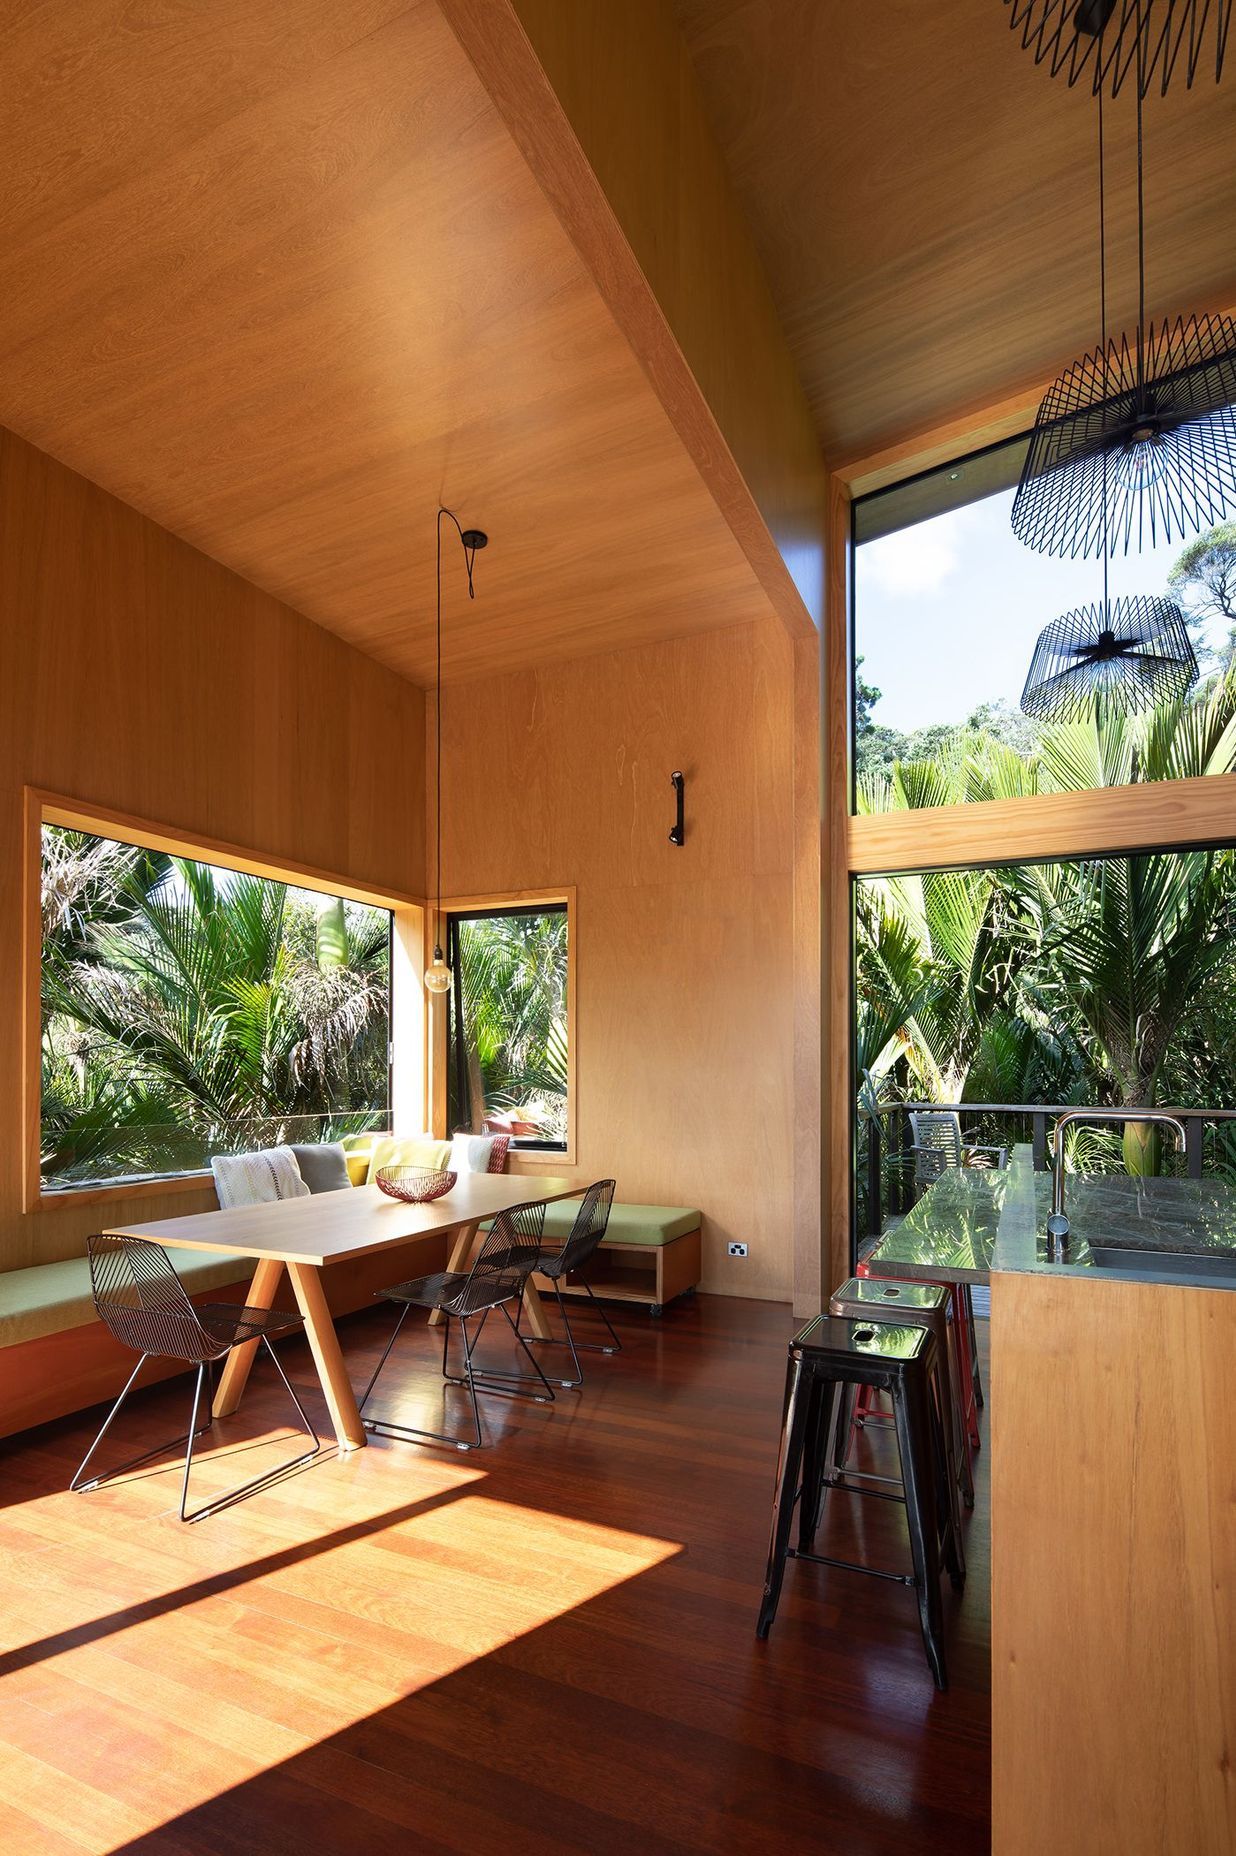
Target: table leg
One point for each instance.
(534, 1308)
(235, 1372)
(324, 1343)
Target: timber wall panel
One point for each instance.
(685, 958)
(139, 675)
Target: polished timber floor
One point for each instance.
(544, 1647)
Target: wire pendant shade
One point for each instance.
(1134, 444)
(1135, 653)
(1107, 41)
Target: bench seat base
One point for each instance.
(650, 1275)
(53, 1374)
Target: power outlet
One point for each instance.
(738, 1250)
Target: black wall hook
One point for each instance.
(678, 834)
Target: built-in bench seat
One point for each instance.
(650, 1254)
(51, 1297)
(57, 1357)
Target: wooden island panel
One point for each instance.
(1113, 1426)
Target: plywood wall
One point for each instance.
(137, 674)
(687, 959)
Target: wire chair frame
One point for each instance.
(498, 1275)
(1106, 41)
(142, 1301)
(581, 1245)
(139, 1296)
(507, 1257)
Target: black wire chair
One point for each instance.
(142, 1300)
(498, 1276)
(590, 1226)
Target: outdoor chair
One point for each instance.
(142, 1300)
(582, 1242)
(510, 1252)
(939, 1144)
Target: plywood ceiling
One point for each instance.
(925, 202)
(273, 272)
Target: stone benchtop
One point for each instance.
(973, 1222)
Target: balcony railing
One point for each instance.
(889, 1134)
(132, 1156)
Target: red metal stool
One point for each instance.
(969, 1383)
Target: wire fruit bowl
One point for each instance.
(415, 1185)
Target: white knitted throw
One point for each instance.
(257, 1179)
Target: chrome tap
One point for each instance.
(1058, 1223)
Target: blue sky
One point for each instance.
(947, 612)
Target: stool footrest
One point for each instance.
(847, 1488)
(835, 1480)
(872, 1572)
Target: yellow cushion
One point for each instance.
(357, 1164)
(391, 1150)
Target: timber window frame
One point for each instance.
(407, 1036)
(528, 1157)
(1148, 816)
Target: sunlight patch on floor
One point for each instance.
(118, 1724)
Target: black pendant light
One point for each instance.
(437, 973)
(1136, 443)
(1132, 654)
(1108, 41)
(1135, 653)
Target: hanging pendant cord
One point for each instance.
(1103, 333)
(437, 863)
(1141, 229)
(469, 558)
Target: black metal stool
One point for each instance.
(828, 1356)
(926, 1305)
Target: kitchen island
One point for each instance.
(1113, 1439)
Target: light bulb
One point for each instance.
(437, 974)
(1145, 458)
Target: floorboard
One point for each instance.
(547, 1646)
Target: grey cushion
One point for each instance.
(323, 1166)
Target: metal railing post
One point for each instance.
(875, 1195)
(906, 1182)
(1039, 1139)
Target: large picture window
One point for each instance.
(1028, 947)
(189, 1010)
(989, 1001)
(508, 1056)
(948, 604)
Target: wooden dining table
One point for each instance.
(306, 1236)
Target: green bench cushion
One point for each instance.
(653, 1225)
(50, 1297)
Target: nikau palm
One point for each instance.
(513, 983)
(186, 1009)
(1088, 980)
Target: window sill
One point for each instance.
(543, 1159)
(102, 1193)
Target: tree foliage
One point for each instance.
(513, 971)
(188, 1010)
(1108, 981)
(1203, 579)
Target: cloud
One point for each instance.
(916, 560)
